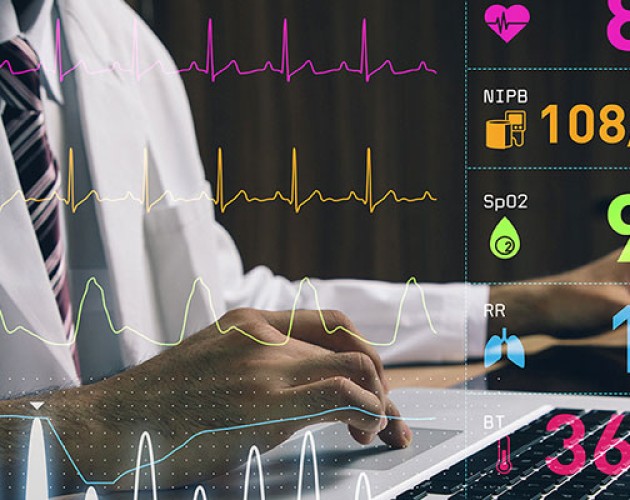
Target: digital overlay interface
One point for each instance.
(230, 222)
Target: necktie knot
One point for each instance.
(19, 75)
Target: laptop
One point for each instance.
(455, 454)
(468, 444)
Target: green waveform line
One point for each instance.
(92, 282)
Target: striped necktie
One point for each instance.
(38, 172)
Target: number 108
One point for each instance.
(582, 123)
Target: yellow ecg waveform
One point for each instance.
(220, 200)
(294, 198)
(222, 329)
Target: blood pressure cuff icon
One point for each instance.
(493, 351)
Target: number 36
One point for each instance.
(606, 442)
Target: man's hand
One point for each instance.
(213, 381)
(581, 307)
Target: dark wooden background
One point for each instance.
(414, 124)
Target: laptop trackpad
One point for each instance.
(336, 449)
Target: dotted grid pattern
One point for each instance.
(468, 168)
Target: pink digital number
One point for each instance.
(621, 16)
(607, 442)
(571, 444)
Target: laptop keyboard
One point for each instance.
(476, 477)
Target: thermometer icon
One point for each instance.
(504, 465)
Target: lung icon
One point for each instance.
(494, 347)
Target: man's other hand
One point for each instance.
(216, 380)
(572, 304)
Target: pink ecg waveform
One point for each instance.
(211, 69)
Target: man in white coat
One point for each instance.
(145, 284)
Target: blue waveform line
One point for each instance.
(204, 432)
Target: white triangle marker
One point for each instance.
(37, 404)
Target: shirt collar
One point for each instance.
(36, 26)
(9, 26)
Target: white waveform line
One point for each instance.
(308, 439)
(145, 437)
(363, 480)
(254, 454)
(200, 494)
(91, 494)
(37, 473)
(92, 282)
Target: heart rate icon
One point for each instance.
(507, 22)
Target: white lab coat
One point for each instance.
(154, 258)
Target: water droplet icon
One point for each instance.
(504, 240)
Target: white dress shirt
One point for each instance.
(455, 308)
(80, 229)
